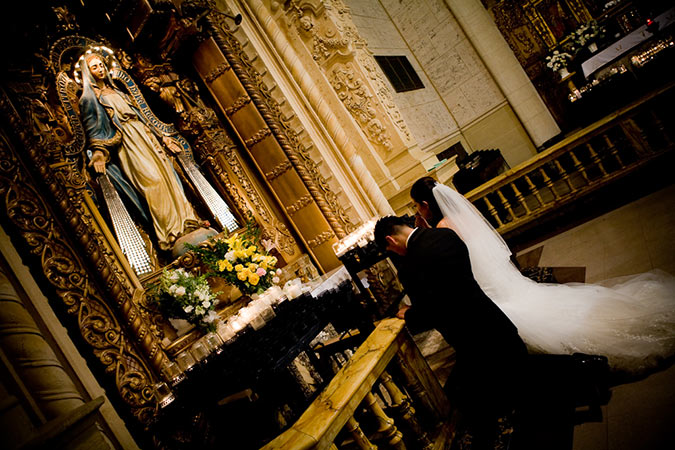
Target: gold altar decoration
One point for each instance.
(269, 142)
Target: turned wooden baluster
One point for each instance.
(548, 182)
(579, 167)
(493, 211)
(613, 150)
(333, 446)
(385, 424)
(565, 175)
(403, 407)
(596, 159)
(521, 198)
(535, 190)
(664, 131)
(506, 204)
(359, 436)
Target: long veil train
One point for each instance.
(631, 319)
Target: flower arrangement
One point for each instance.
(558, 60)
(182, 295)
(587, 33)
(240, 261)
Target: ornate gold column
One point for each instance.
(268, 144)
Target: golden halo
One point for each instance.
(105, 53)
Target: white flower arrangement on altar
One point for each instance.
(181, 295)
(558, 60)
(587, 33)
(611, 4)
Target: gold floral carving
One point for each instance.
(217, 72)
(299, 204)
(271, 113)
(258, 136)
(76, 264)
(320, 239)
(354, 95)
(278, 170)
(238, 104)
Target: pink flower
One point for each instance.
(260, 272)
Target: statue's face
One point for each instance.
(97, 68)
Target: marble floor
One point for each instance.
(634, 238)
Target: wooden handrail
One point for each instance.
(616, 138)
(321, 422)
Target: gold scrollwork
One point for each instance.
(239, 103)
(299, 204)
(217, 72)
(278, 170)
(258, 136)
(320, 239)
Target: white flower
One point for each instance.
(211, 317)
(172, 289)
(279, 272)
(199, 311)
(229, 256)
(206, 303)
(174, 276)
(188, 309)
(180, 291)
(275, 280)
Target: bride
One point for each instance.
(630, 320)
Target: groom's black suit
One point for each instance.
(436, 274)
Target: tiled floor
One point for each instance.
(634, 238)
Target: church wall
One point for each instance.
(461, 98)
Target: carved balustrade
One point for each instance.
(583, 162)
(364, 406)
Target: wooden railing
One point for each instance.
(366, 383)
(583, 162)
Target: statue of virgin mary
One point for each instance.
(118, 132)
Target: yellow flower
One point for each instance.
(251, 250)
(222, 264)
(253, 279)
(242, 276)
(252, 267)
(239, 267)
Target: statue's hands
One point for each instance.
(172, 145)
(98, 162)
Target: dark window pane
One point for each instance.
(400, 73)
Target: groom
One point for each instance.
(435, 271)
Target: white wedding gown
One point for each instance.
(630, 320)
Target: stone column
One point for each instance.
(497, 56)
(62, 414)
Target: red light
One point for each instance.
(649, 22)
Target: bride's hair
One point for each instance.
(422, 191)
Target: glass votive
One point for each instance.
(163, 394)
(171, 372)
(257, 322)
(199, 351)
(225, 331)
(237, 324)
(185, 360)
(267, 313)
(214, 342)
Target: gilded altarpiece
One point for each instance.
(533, 29)
(52, 213)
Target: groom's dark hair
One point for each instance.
(387, 226)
